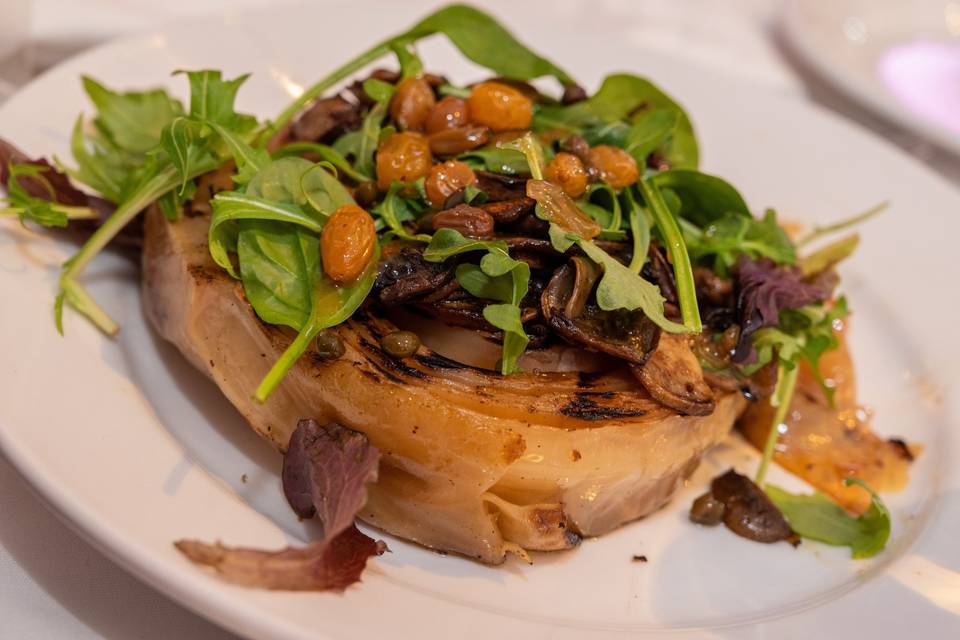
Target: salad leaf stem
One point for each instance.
(331, 305)
(677, 250)
(72, 213)
(149, 190)
(639, 231)
(341, 73)
(781, 399)
(819, 231)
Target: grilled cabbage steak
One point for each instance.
(473, 462)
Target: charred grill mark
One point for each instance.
(371, 375)
(434, 360)
(586, 379)
(583, 407)
(390, 366)
(606, 395)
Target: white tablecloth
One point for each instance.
(52, 583)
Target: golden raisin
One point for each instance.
(446, 179)
(615, 166)
(412, 103)
(403, 157)
(449, 113)
(453, 142)
(500, 107)
(347, 243)
(567, 171)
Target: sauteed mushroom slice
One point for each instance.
(569, 310)
(673, 376)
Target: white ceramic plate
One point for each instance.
(900, 59)
(135, 449)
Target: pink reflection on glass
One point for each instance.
(925, 77)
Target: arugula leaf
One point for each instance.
(131, 121)
(44, 211)
(619, 288)
(600, 203)
(703, 197)
(804, 333)
(250, 160)
(212, 99)
(497, 160)
(326, 153)
(394, 210)
(733, 234)
(114, 157)
(498, 277)
(179, 140)
(676, 251)
(639, 231)
(817, 517)
(630, 98)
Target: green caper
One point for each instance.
(329, 345)
(366, 193)
(400, 344)
(707, 510)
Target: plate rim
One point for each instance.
(857, 89)
(198, 595)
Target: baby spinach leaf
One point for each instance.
(279, 266)
(619, 288)
(703, 197)
(649, 131)
(230, 206)
(816, 517)
(498, 277)
(322, 190)
(484, 41)
(330, 305)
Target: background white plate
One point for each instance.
(900, 59)
(136, 449)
